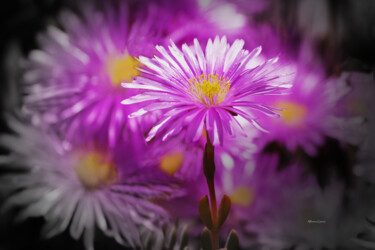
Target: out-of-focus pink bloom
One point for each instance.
(184, 160)
(208, 90)
(81, 186)
(175, 158)
(311, 113)
(251, 6)
(209, 19)
(74, 80)
(235, 164)
(218, 19)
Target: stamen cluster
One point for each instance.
(210, 90)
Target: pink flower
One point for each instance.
(311, 113)
(209, 90)
(81, 186)
(73, 81)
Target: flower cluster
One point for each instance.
(128, 110)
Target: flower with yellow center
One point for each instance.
(121, 69)
(242, 196)
(294, 113)
(95, 170)
(171, 162)
(210, 90)
(81, 187)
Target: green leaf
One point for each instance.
(233, 241)
(184, 238)
(149, 240)
(206, 239)
(173, 239)
(224, 209)
(204, 212)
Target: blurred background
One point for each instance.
(341, 31)
(341, 34)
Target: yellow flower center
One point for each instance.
(242, 196)
(294, 113)
(94, 170)
(210, 89)
(121, 69)
(171, 162)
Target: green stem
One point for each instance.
(215, 229)
(209, 171)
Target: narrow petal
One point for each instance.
(195, 129)
(218, 129)
(200, 56)
(233, 53)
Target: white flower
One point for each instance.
(79, 187)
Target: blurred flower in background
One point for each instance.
(310, 113)
(360, 102)
(176, 158)
(81, 186)
(75, 77)
(307, 217)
